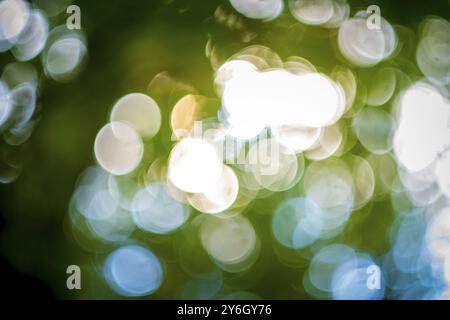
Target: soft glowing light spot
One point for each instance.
(33, 38)
(23, 98)
(374, 129)
(297, 223)
(133, 271)
(189, 109)
(140, 111)
(365, 47)
(363, 178)
(438, 233)
(345, 78)
(382, 87)
(408, 240)
(327, 144)
(17, 73)
(386, 173)
(122, 189)
(94, 203)
(350, 281)
(14, 15)
(270, 57)
(433, 51)
(298, 65)
(341, 12)
(118, 148)
(273, 168)
(220, 197)
(296, 138)
(5, 103)
(10, 165)
(313, 12)
(117, 228)
(326, 261)
(256, 9)
(329, 184)
(337, 188)
(154, 210)
(228, 241)
(93, 175)
(64, 54)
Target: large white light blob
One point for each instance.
(232, 69)
(310, 99)
(423, 129)
(194, 165)
(245, 106)
(253, 100)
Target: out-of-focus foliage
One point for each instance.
(332, 139)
